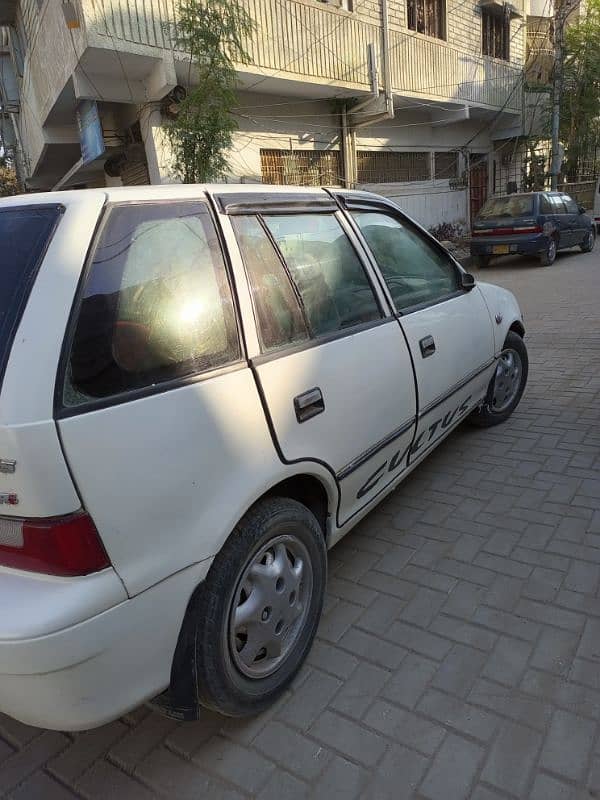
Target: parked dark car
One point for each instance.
(537, 223)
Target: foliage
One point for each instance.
(447, 232)
(8, 180)
(580, 104)
(212, 33)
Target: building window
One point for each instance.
(495, 34)
(376, 166)
(446, 166)
(428, 17)
(301, 167)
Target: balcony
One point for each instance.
(315, 48)
(431, 68)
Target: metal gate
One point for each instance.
(478, 183)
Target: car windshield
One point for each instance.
(517, 205)
(24, 235)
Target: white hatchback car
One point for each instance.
(202, 389)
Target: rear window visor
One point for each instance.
(25, 233)
(518, 205)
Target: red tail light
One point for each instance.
(507, 231)
(65, 546)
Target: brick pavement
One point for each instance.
(458, 654)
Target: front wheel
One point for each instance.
(507, 385)
(548, 256)
(588, 243)
(258, 610)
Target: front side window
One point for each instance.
(428, 17)
(495, 34)
(156, 303)
(330, 280)
(570, 204)
(415, 271)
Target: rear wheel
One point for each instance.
(548, 256)
(507, 385)
(589, 241)
(258, 610)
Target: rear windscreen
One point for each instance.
(518, 205)
(25, 233)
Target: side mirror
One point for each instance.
(467, 281)
(582, 209)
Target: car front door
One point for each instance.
(578, 229)
(562, 221)
(448, 328)
(332, 364)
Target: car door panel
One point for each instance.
(334, 371)
(463, 358)
(450, 336)
(369, 406)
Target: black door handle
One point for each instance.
(309, 404)
(427, 346)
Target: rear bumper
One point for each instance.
(91, 672)
(521, 245)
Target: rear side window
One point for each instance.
(545, 205)
(332, 285)
(276, 305)
(25, 234)
(558, 207)
(156, 303)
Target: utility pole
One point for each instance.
(562, 10)
(559, 33)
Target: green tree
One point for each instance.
(8, 179)
(213, 33)
(580, 104)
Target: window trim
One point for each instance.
(62, 411)
(366, 204)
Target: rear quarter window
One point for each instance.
(156, 303)
(25, 233)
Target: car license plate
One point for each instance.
(500, 249)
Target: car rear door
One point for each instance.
(448, 328)
(332, 364)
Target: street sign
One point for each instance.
(91, 137)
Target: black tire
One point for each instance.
(487, 416)
(588, 243)
(220, 684)
(548, 256)
(481, 261)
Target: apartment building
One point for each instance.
(417, 99)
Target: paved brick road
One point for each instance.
(459, 652)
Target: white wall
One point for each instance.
(430, 206)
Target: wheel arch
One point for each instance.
(179, 700)
(518, 328)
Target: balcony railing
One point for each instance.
(303, 40)
(430, 67)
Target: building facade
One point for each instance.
(418, 99)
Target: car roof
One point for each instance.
(158, 192)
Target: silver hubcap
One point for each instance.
(590, 241)
(507, 380)
(552, 250)
(270, 606)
